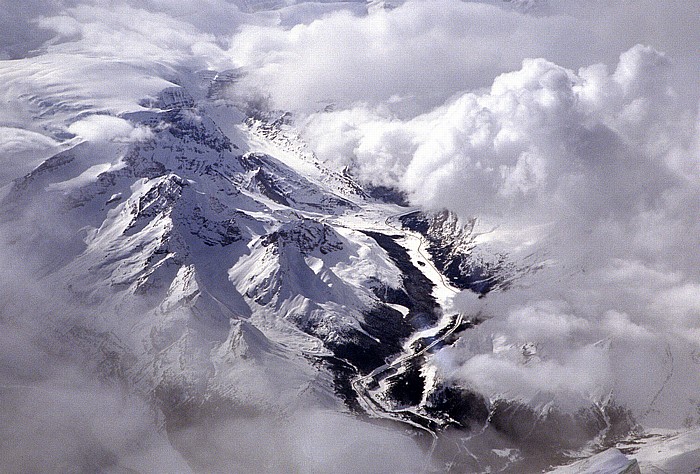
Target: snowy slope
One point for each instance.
(654, 453)
(184, 240)
(203, 256)
(611, 461)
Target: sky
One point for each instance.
(569, 129)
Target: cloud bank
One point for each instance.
(416, 56)
(569, 127)
(543, 139)
(594, 170)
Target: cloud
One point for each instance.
(48, 426)
(308, 440)
(416, 56)
(595, 171)
(18, 140)
(108, 128)
(570, 127)
(57, 414)
(18, 35)
(542, 138)
(22, 150)
(144, 34)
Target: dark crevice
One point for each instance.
(450, 249)
(417, 294)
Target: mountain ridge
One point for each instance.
(228, 264)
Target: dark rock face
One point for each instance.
(387, 328)
(275, 180)
(407, 387)
(192, 128)
(343, 374)
(446, 341)
(417, 288)
(157, 201)
(213, 233)
(49, 166)
(458, 406)
(450, 245)
(366, 352)
(390, 195)
(144, 168)
(555, 430)
(307, 235)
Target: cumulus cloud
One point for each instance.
(569, 127)
(108, 128)
(596, 339)
(418, 55)
(595, 170)
(542, 138)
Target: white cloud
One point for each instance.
(108, 128)
(22, 150)
(18, 140)
(602, 164)
(309, 440)
(418, 55)
(509, 114)
(422, 52)
(543, 140)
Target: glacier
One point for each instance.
(189, 286)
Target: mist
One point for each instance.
(70, 403)
(569, 130)
(592, 171)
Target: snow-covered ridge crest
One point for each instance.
(215, 247)
(200, 235)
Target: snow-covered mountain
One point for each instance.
(213, 265)
(190, 247)
(349, 236)
(207, 269)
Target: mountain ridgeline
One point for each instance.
(217, 268)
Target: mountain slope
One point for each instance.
(207, 260)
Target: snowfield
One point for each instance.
(349, 236)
